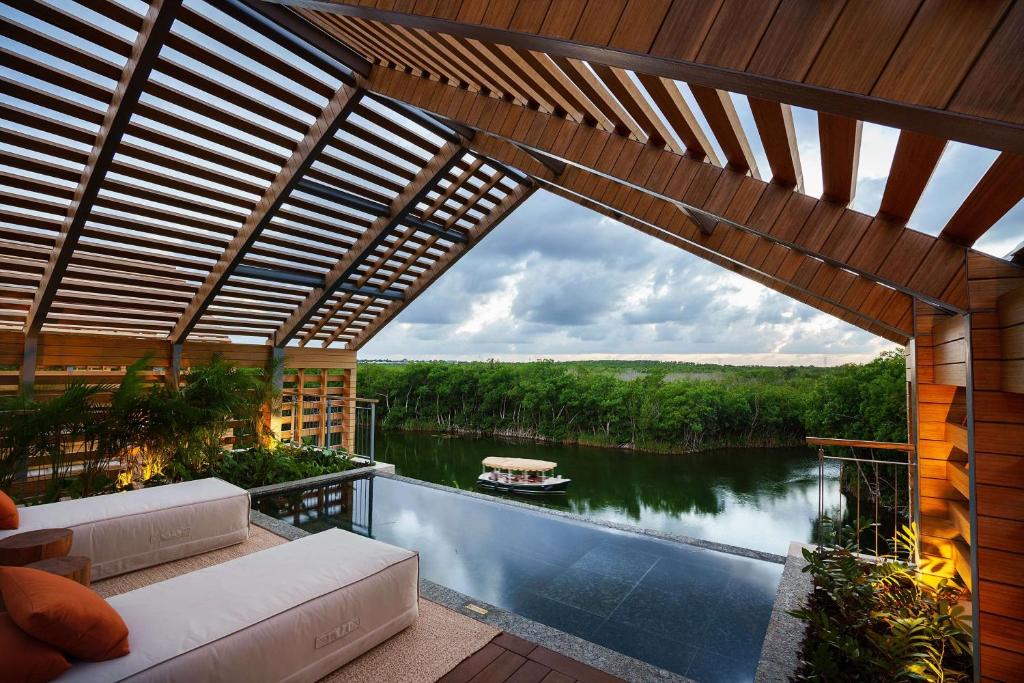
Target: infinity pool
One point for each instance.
(697, 612)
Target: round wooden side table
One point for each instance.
(75, 567)
(33, 546)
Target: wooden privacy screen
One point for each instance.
(102, 359)
(969, 413)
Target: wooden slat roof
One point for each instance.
(193, 171)
(302, 170)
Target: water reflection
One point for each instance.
(755, 498)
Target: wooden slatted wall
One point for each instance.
(998, 461)
(941, 407)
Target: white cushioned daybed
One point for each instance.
(122, 532)
(294, 612)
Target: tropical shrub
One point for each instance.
(262, 465)
(882, 622)
(163, 433)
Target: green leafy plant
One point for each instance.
(159, 432)
(884, 621)
(189, 422)
(261, 465)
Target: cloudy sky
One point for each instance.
(556, 280)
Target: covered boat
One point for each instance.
(520, 475)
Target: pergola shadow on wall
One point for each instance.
(179, 176)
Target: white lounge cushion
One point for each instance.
(294, 612)
(122, 532)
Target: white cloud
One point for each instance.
(557, 281)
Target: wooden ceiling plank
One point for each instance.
(510, 85)
(408, 53)
(774, 123)
(912, 166)
(841, 49)
(368, 242)
(454, 57)
(318, 136)
(996, 193)
(724, 122)
(427, 49)
(839, 138)
(344, 28)
(155, 29)
(940, 46)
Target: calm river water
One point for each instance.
(749, 497)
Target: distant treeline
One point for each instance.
(647, 405)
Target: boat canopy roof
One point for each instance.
(521, 464)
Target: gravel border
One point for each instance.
(779, 653)
(581, 650)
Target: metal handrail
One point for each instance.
(857, 443)
(909, 463)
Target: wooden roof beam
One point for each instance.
(839, 138)
(669, 99)
(155, 28)
(367, 244)
(594, 90)
(320, 133)
(724, 122)
(996, 193)
(812, 74)
(509, 204)
(774, 123)
(915, 160)
(630, 97)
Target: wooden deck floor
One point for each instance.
(510, 658)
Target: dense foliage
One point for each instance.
(882, 622)
(645, 405)
(96, 438)
(274, 464)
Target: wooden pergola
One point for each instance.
(299, 171)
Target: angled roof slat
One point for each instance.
(318, 136)
(155, 28)
(402, 205)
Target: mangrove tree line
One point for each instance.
(649, 406)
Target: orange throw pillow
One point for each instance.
(8, 512)
(63, 613)
(23, 659)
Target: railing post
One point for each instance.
(373, 433)
(821, 496)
